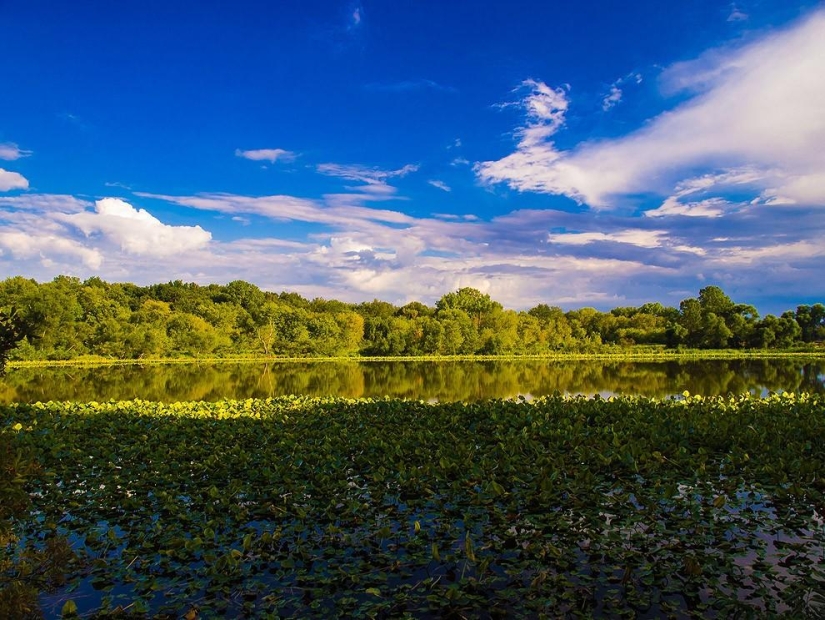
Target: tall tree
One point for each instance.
(12, 331)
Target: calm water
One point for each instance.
(444, 381)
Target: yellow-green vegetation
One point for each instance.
(607, 353)
(298, 507)
(69, 319)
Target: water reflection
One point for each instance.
(444, 381)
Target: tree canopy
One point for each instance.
(69, 318)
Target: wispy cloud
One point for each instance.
(355, 17)
(616, 92)
(737, 15)
(757, 106)
(641, 238)
(10, 151)
(612, 98)
(710, 207)
(440, 185)
(12, 180)
(117, 184)
(56, 203)
(545, 108)
(409, 85)
(270, 155)
(364, 174)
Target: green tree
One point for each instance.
(12, 331)
(811, 320)
(460, 333)
(477, 305)
(557, 332)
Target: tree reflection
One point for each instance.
(444, 381)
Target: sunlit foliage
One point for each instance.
(69, 318)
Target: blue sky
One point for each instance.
(578, 154)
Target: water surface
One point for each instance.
(442, 381)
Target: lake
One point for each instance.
(443, 380)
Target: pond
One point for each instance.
(444, 381)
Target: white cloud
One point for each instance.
(355, 253)
(612, 99)
(365, 174)
(545, 108)
(440, 185)
(410, 85)
(12, 180)
(54, 203)
(10, 151)
(737, 15)
(270, 155)
(641, 238)
(46, 247)
(757, 106)
(337, 210)
(779, 254)
(711, 207)
(136, 231)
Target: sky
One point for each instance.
(593, 153)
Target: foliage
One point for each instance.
(25, 568)
(296, 507)
(12, 331)
(69, 318)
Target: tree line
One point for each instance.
(69, 318)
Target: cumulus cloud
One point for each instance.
(43, 235)
(757, 106)
(12, 180)
(270, 155)
(137, 231)
(10, 151)
(440, 185)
